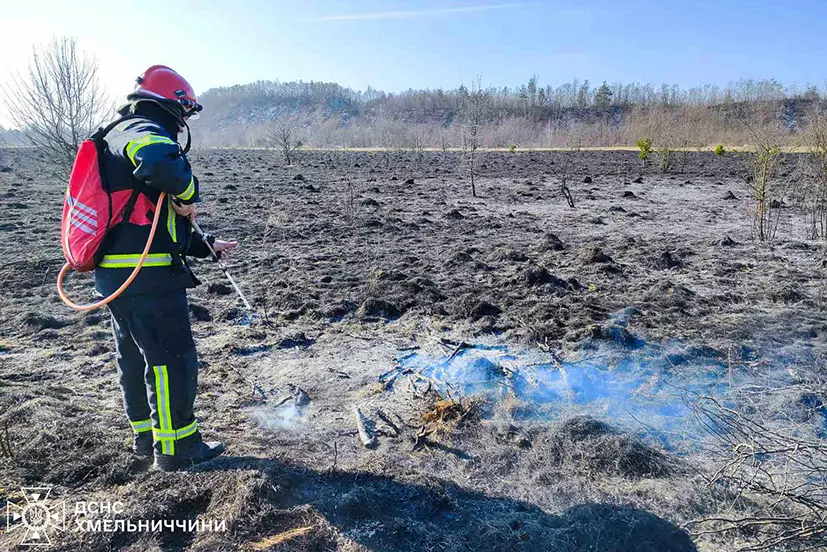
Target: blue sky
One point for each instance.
(395, 45)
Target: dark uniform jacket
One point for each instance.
(143, 154)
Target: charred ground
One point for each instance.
(351, 256)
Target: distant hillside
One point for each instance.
(328, 115)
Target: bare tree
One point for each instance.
(687, 130)
(763, 185)
(389, 141)
(815, 173)
(58, 102)
(474, 108)
(565, 162)
(444, 140)
(284, 137)
(417, 145)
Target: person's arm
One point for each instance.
(158, 160)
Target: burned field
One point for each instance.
(369, 268)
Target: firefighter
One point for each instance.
(156, 357)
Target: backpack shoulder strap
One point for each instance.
(103, 131)
(133, 199)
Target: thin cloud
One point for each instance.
(414, 14)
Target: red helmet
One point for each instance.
(159, 82)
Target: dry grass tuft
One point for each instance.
(593, 448)
(444, 416)
(269, 542)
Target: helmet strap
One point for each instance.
(189, 137)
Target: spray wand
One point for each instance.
(253, 383)
(221, 265)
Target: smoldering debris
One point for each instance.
(289, 413)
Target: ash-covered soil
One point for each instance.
(352, 257)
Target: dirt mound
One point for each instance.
(406, 292)
(595, 255)
(37, 322)
(666, 261)
(507, 254)
(373, 308)
(552, 243)
(593, 448)
(219, 289)
(534, 276)
(199, 313)
(670, 296)
(473, 308)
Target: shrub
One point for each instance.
(645, 145)
(665, 155)
(512, 149)
(719, 150)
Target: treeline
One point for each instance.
(329, 115)
(529, 115)
(12, 137)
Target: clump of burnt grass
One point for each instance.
(592, 448)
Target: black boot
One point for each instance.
(142, 446)
(201, 453)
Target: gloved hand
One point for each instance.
(220, 247)
(223, 247)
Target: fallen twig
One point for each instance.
(384, 417)
(460, 346)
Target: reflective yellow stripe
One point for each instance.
(177, 434)
(133, 147)
(131, 261)
(189, 192)
(171, 226)
(187, 430)
(141, 426)
(164, 415)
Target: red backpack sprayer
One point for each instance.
(90, 211)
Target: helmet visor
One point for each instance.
(191, 108)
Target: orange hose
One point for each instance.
(135, 271)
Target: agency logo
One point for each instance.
(37, 518)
